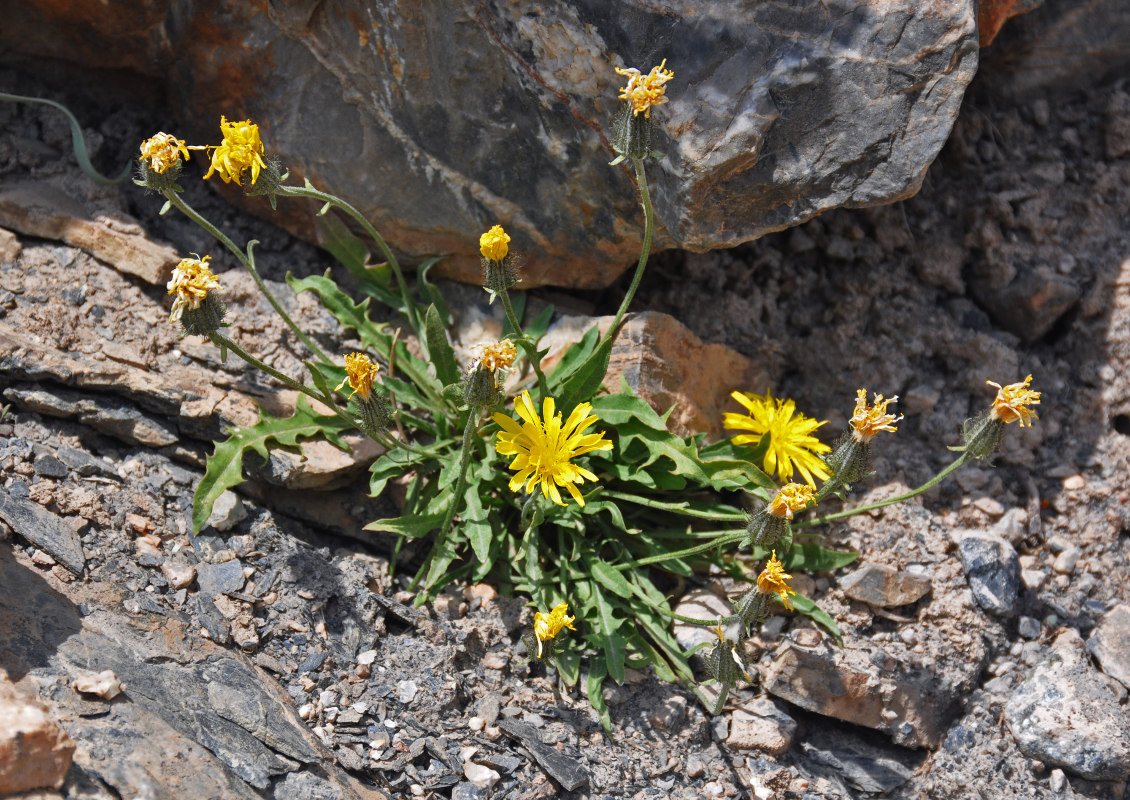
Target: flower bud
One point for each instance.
(632, 138)
(725, 662)
(499, 272)
(161, 163)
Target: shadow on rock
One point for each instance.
(34, 618)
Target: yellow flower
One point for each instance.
(497, 356)
(494, 244)
(645, 91)
(543, 447)
(191, 281)
(774, 579)
(1011, 403)
(547, 626)
(360, 370)
(791, 439)
(869, 420)
(789, 498)
(163, 151)
(241, 150)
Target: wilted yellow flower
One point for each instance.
(360, 370)
(163, 151)
(543, 447)
(191, 281)
(494, 244)
(789, 498)
(500, 355)
(242, 149)
(869, 420)
(791, 440)
(645, 91)
(547, 626)
(774, 579)
(1012, 403)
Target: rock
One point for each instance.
(104, 684)
(1030, 303)
(777, 113)
(224, 578)
(703, 604)
(34, 752)
(1063, 714)
(179, 574)
(565, 770)
(1028, 627)
(846, 685)
(43, 210)
(44, 530)
(483, 777)
(993, 571)
(759, 724)
(108, 415)
(671, 715)
(1026, 59)
(884, 586)
(1065, 562)
(1116, 125)
(1110, 644)
(50, 467)
(865, 768)
(227, 512)
(10, 247)
(992, 15)
(406, 691)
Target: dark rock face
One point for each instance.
(440, 119)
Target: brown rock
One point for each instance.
(884, 586)
(179, 574)
(42, 210)
(667, 365)
(34, 752)
(850, 685)
(993, 14)
(10, 247)
(758, 724)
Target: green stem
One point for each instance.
(850, 512)
(727, 537)
(678, 508)
(470, 430)
(535, 362)
(223, 342)
(410, 309)
(648, 232)
(249, 262)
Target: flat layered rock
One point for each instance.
(884, 586)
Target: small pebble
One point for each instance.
(713, 789)
(1057, 781)
(476, 723)
(1028, 627)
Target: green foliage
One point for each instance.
(225, 465)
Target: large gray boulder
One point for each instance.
(439, 118)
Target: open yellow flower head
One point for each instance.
(494, 244)
(162, 151)
(868, 420)
(543, 447)
(645, 91)
(791, 440)
(360, 370)
(191, 281)
(1012, 401)
(494, 357)
(547, 626)
(241, 150)
(774, 579)
(789, 498)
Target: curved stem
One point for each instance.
(726, 538)
(249, 262)
(678, 508)
(645, 250)
(850, 512)
(309, 191)
(222, 341)
(534, 361)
